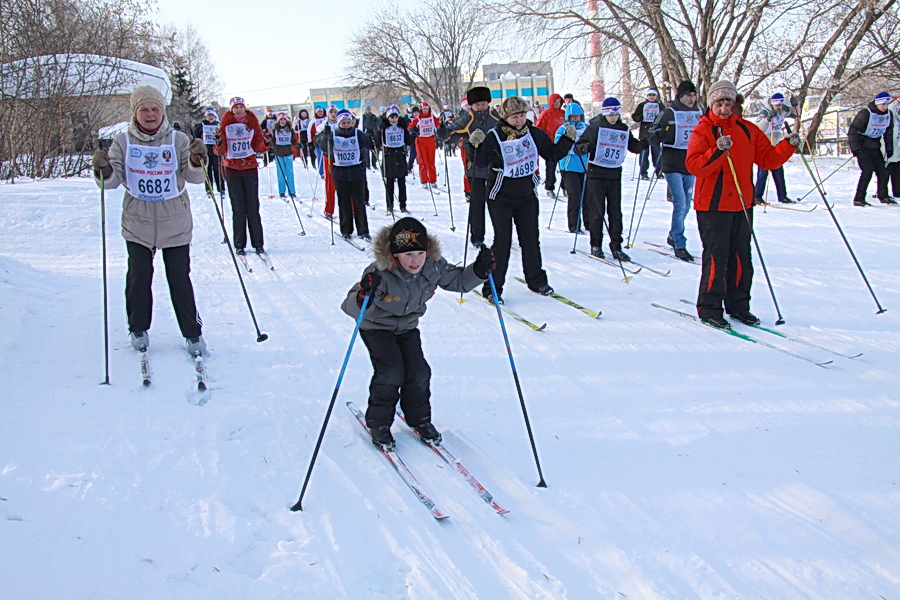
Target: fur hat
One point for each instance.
(408, 235)
(513, 105)
(721, 90)
(478, 94)
(685, 87)
(611, 106)
(143, 94)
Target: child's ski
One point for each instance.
(442, 451)
(146, 372)
(564, 300)
(264, 256)
(513, 314)
(246, 264)
(404, 472)
(611, 263)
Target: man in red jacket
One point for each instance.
(721, 141)
(550, 121)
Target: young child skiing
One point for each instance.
(206, 131)
(394, 138)
(771, 120)
(408, 268)
(343, 146)
(571, 169)
(865, 136)
(605, 142)
(284, 138)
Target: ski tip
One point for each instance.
(824, 364)
(542, 327)
(856, 355)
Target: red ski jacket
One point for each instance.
(258, 142)
(715, 189)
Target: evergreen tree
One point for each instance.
(185, 108)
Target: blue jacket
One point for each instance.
(572, 162)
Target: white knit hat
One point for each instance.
(143, 94)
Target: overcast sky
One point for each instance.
(272, 53)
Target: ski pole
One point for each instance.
(431, 191)
(762, 262)
(260, 336)
(293, 201)
(555, 199)
(512, 364)
(449, 195)
(105, 286)
(337, 387)
(841, 231)
(633, 209)
(465, 253)
(644, 205)
(580, 206)
(827, 177)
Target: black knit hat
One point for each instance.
(408, 235)
(685, 87)
(478, 94)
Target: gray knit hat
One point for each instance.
(146, 93)
(721, 90)
(513, 105)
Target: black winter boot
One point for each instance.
(382, 437)
(428, 434)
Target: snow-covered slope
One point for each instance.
(681, 462)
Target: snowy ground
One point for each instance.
(681, 462)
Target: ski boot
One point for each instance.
(382, 437)
(428, 434)
(746, 317)
(196, 346)
(140, 341)
(683, 254)
(620, 255)
(716, 321)
(597, 251)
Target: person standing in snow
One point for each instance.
(394, 138)
(408, 268)
(771, 120)
(605, 143)
(206, 131)
(154, 162)
(326, 165)
(284, 138)
(512, 149)
(549, 122)
(672, 130)
(344, 145)
(472, 129)
(723, 140)
(425, 127)
(241, 137)
(892, 141)
(866, 135)
(646, 114)
(303, 143)
(267, 125)
(314, 125)
(571, 168)
(370, 126)
(412, 113)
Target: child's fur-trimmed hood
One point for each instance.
(381, 249)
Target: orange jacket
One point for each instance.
(715, 189)
(258, 142)
(552, 118)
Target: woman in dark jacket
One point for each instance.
(511, 149)
(394, 137)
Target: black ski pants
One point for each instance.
(507, 211)
(401, 374)
(351, 197)
(550, 180)
(389, 189)
(727, 265)
(577, 200)
(212, 169)
(605, 198)
(244, 195)
(139, 293)
(478, 190)
(894, 173)
(871, 161)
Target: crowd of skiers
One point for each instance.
(705, 154)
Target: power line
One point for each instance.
(278, 87)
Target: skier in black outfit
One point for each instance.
(393, 138)
(605, 144)
(481, 119)
(408, 268)
(370, 126)
(512, 150)
(866, 135)
(646, 114)
(206, 131)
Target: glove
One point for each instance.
(484, 263)
(570, 132)
(795, 139)
(100, 163)
(198, 149)
(724, 142)
(414, 131)
(367, 285)
(772, 114)
(794, 101)
(476, 138)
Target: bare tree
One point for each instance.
(184, 50)
(433, 56)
